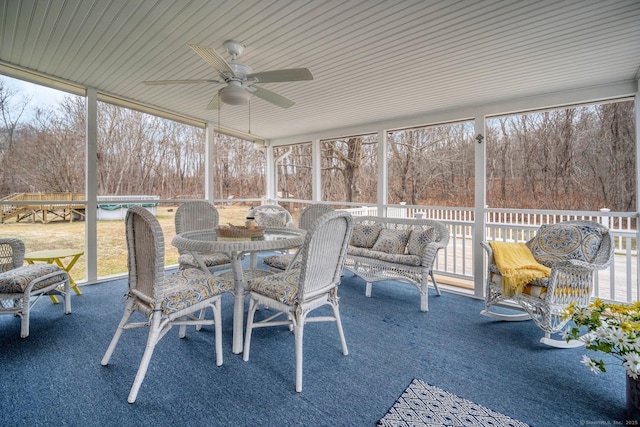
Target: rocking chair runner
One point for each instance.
(573, 250)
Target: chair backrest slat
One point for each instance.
(145, 245)
(323, 253)
(195, 215)
(311, 213)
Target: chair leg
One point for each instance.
(247, 337)
(435, 284)
(217, 318)
(128, 311)
(343, 341)
(298, 333)
(201, 317)
(182, 330)
(424, 297)
(24, 317)
(67, 297)
(152, 340)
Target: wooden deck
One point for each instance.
(25, 207)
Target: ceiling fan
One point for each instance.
(239, 78)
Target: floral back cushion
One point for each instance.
(563, 241)
(365, 235)
(419, 239)
(271, 219)
(392, 241)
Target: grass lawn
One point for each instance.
(112, 249)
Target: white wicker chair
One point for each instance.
(272, 216)
(199, 215)
(293, 294)
(308, 215)
(21, 287)
(573, 250)
(165, 300)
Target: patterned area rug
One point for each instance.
(422, 404)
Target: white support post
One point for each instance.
(480, 204)
(382, 172)
(316, 171)
(91, 185)
(209, 164)
(637, 109)
(270, 174)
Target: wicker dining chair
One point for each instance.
(22, 286)
(309, 214)
(293, 294)
(272, 216)
(199, 215)
(165, 300)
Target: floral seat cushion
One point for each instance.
(406, 259)
(16, 281)
(280, 262)
(210, 260)
(536, 288)
(281, 287)
(188, 287)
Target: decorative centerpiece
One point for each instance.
(613, 329)
(231, 231)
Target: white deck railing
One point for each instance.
(618, 282)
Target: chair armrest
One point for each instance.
(575, 264)
(428, 256)
(489, 251)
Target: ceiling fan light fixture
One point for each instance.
(234, 95)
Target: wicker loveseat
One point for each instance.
(399, 249)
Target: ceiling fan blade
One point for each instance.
(212, 58)
(272, 97)
(288, 75)
(179, 82)
(215, 103)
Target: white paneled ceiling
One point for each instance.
(372, 60)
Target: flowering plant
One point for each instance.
(612, 328)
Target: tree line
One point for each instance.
(579, 158)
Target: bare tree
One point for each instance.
(12, 110)
(343, 161)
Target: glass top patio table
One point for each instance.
(207, 242)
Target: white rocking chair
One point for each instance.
(573, 250)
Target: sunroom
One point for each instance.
(458, 84)
(440, 102)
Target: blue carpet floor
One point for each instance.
(54, 377)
